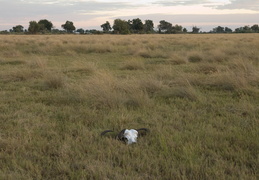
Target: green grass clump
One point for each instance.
(198, 95)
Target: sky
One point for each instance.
(90, 14)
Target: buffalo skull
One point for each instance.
(128, 136)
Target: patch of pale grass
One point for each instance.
(21, 75)
(148, 50)
(103, 90)
(138, 99)
(176, 59)
(239, 75)
(91, 48)
(38, 62)
(207, 68)
(193, 79)
(229, 81)
(149, 53)
(151, 85)
(231, 51)
(180, 89)
(12, 53)
(179, 92)
(133, 64)
(242, 65)
(53, 80)
(82, 67)
(164, 72)
(215, 55)
(247, 69)
(195, 57)
(11, 62)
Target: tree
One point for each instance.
(149, 26)
(228, 30)
(18, 28)
(255, 28)
(106, 27)
(165, 27)
(129, 24)
(94, 31)
(195, 29)
(4, 32)
(45, 25)
(34, 27)
(120, 27)
(57, 31)
(80, 31)
(177, 29)
(247, 29)
(239, 30)
(184, 30)
(68, 26)
(137, 26)
(218, 29)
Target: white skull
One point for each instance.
(131, 135)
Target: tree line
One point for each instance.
(134, 26)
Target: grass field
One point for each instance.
(198, 95)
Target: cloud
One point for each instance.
(241, 4)
(37, 7)
(22, 11)
(218, 4)
(183, 2)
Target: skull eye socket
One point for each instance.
(124, 139)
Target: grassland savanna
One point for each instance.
(198, 95)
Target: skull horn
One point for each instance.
(104, 132)
(142, 131)
(121, 136)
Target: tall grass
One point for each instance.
(198, 95)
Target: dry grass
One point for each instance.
(198, 94)
(104, 90)
(195, 57)
(54, 80)
(133, 64)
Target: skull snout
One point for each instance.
(131, 136)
